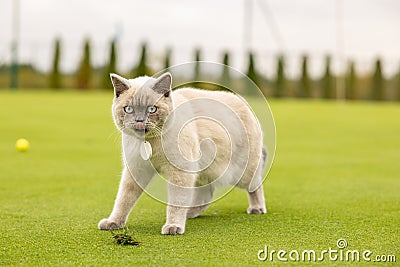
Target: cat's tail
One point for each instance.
(263, 158)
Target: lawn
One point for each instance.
(336, 175)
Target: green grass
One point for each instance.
(336, 175)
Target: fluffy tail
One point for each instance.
(264, 158)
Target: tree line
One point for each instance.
(372, 86)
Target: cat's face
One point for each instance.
(141, 105)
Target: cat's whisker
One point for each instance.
(114, 136)
(156, 130)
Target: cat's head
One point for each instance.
(141, 105)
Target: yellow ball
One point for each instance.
(22, 145)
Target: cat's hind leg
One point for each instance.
(256, 201)
(255, 191)
(202, 198)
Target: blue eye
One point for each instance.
(151, 109)
(128, 109)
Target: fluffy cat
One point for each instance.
(189, 147)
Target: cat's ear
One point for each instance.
(163, 84)
(120, 84)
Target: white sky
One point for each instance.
(370, 28)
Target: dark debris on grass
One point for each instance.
(125, 238)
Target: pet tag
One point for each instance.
(146, 150)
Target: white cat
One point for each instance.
(197, 139)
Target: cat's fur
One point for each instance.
(183, 203)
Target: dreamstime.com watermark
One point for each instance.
(338, 253)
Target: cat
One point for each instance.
(169, 132)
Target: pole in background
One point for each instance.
(248, 26)
(340, 78)
(271, 22)
(14, 46)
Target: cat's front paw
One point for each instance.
(107, 224)
(172, 229)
